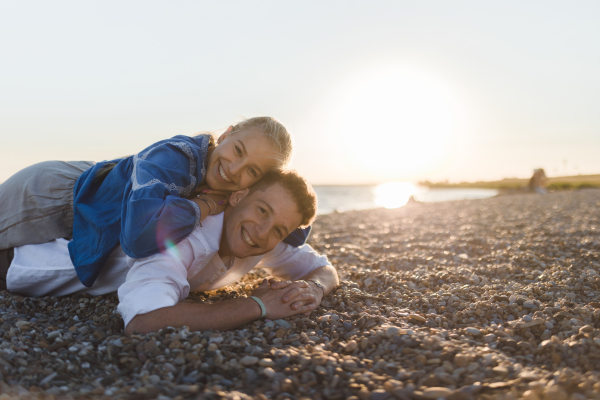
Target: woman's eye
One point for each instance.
(262, 210)
(238, 151)
(279, 233)
(253, 172)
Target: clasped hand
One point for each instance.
(283, 299)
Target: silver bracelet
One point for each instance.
(205, 202)
(263, 309)
(318, 285)
(214, 205)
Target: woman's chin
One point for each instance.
(213, 182)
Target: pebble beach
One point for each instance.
(483, 299)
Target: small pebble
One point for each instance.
(436, 392)
(248, 360)
(473, 331)
(351, 346)
(391, 331)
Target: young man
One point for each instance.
(223, 249)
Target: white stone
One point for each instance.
(530, 395)
(473, 331)
(21, 324)
(269, 372)
(391, 331)
(436, 392)
(529, 376)
(472, 367)
(215, 338)
(266, 362)
(53, 335)
(489, 338)
(351, 346)
(248, 360)
(528, 304)
(525, 325)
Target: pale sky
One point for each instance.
(373, 91)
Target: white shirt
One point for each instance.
(161, 280)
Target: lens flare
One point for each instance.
(171, 249)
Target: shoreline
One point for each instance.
(353, 198)
(571, 182)
(500, 193)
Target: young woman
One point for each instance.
(145, 201)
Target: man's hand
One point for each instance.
(277, 300)
(299, 294)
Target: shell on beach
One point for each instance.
(488, 299)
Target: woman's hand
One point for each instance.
(205, 189)
(217, 200)
(216, 203)
(277, 308)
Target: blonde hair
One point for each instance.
(274, 130)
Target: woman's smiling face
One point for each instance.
(240, 159)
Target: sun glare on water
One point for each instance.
(394, 194)
(394, 123)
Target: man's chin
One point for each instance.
(243, 251)
(244, 254)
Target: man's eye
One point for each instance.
(253, 172)
(262, 210)
(238, 151)
(279, 233)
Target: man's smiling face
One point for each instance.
(256, 222)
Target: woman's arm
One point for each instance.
(155, 212)
(298, 237)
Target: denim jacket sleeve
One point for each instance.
(155, 211)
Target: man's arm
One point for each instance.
(224, 315)
(198, 317)
(327, 276)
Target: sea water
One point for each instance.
(391, 195)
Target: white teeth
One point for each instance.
(222, 173)
(247, 238)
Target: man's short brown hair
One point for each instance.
(301, 191)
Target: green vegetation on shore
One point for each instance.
(558, 183)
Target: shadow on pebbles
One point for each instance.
(486, 299)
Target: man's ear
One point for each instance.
(225, 134)
(238, 196)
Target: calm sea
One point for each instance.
(389, 195)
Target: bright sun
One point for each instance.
(395, 123)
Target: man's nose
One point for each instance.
(262, 230)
